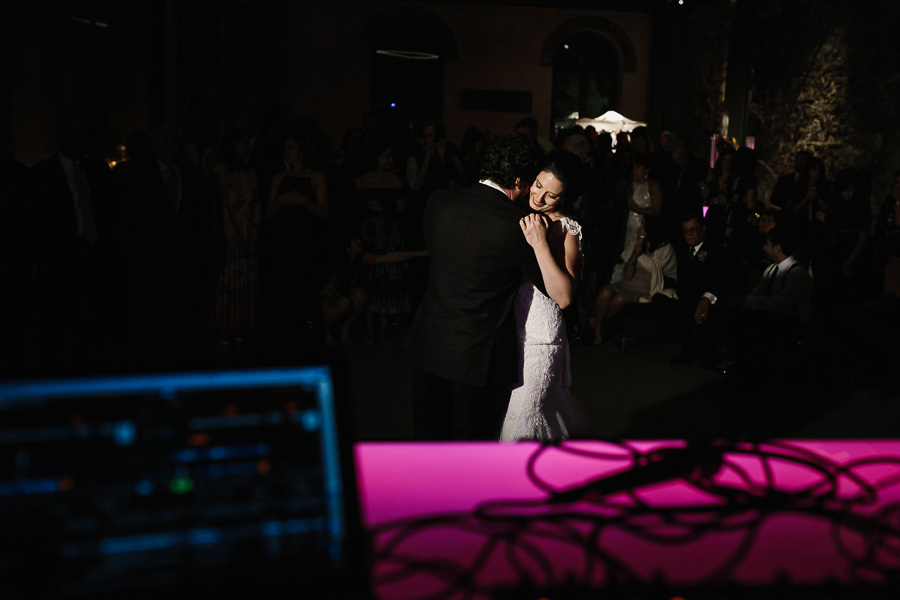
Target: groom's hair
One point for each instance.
(507, 159)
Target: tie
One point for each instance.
(87, 227)
(172, 186)
(693, 251)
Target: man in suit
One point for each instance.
(464, 338)
(699, 313)
(680, 174)
(165, 229)
(776, 310)
(68, 210)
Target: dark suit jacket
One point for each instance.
(53, 217)
(700, 274)
(465, 330)
(164, 251)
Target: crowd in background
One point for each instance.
(275, 238)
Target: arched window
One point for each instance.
(585, 76)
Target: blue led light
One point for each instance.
(202, 537)
(124, 433)
(27, 487)
(272, 528)
(311, 420)
(144, 487)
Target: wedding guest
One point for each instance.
(233, 318)
(887, 238)
(292, 251)
(72, 260)
(650, 269)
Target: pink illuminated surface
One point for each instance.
(461, 520)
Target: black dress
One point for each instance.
(292, 268)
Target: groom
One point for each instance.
(463, 340)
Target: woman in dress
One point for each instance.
(383, 230)
(233, 316)
(650, 269)
(541, 406)
(293, 254)
(644, 198)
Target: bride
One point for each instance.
(542, 407)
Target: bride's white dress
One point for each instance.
(542, 407)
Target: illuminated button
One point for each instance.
(198, 439)
(124, 433)
(144, 487)
(181, 485)
(311, 420)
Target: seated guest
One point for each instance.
(785, 287)
(756, 261)
(701, 278)
(650, 269)
(777, 310)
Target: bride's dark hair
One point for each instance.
(567, 168)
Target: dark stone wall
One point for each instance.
(824, 76)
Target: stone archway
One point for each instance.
(616, 35)
(588, 57)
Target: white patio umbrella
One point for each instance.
(610, 121)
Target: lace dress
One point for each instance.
(541, 407)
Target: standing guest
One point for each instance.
(806, 213)
(233, 318)
(292, 255)
(72, 260)
(645, 197)
(681, 175)
(463, 340)
(718, 194)
(434, 162)
(382, 231)
(166, 224)
(14, 260)
(790, 188)
(529, 128)
(887, 237)
(471, 151)
(840, 271)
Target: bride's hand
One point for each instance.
(534, 226)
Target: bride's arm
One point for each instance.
(559, 281)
